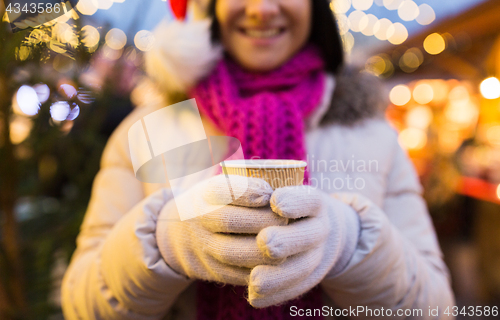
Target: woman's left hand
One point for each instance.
(319, 240)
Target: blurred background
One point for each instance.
(65, 86)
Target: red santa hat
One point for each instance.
(179, 8)
(183, 52)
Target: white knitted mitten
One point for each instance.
(220, 245)
(320, 239)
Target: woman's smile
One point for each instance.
(262, 35)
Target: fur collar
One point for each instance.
(358, 95)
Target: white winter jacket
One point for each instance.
(117, 271)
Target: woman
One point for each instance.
(281, 90)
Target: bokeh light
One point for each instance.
(340, 6)
(75, 112)
(412, 139)
(400, 95)
(362, 4)
(493, 135)
(59, 110)
(116, 39)
(381, 27)
(419, 117)
(68, 90)
(20, 128)
(392, 4)
(87, 7)
(357, 21)
(434, 44)
(426, 14)
(423, 93)
(459, 94)
(342, 23)
(111, 54)
(397, 33)
(42, 91)
(63, 64)
(27, 100)
(90, 36)
(103, 4)
(411, 60)
(348, 41)
(408, 10)
(370, 24)
(490, 88)
(144, 40)
(498, 191)
(440, 89)
(380, 65)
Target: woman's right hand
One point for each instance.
(220, 245)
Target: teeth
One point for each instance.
(262, 33)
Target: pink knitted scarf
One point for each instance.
(266, 112)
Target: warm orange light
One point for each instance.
(434, 44)
(419, 117)
(490, 88)
(412, 139)
(400, 95)
(423, 93)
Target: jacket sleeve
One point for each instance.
(117, 271)
(397, 262)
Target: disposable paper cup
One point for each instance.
(278, 173)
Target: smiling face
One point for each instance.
(261, 35)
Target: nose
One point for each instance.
(262, 10)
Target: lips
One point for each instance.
(262, 33)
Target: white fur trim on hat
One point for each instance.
(182, 54)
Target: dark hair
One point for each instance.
(324, 33)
